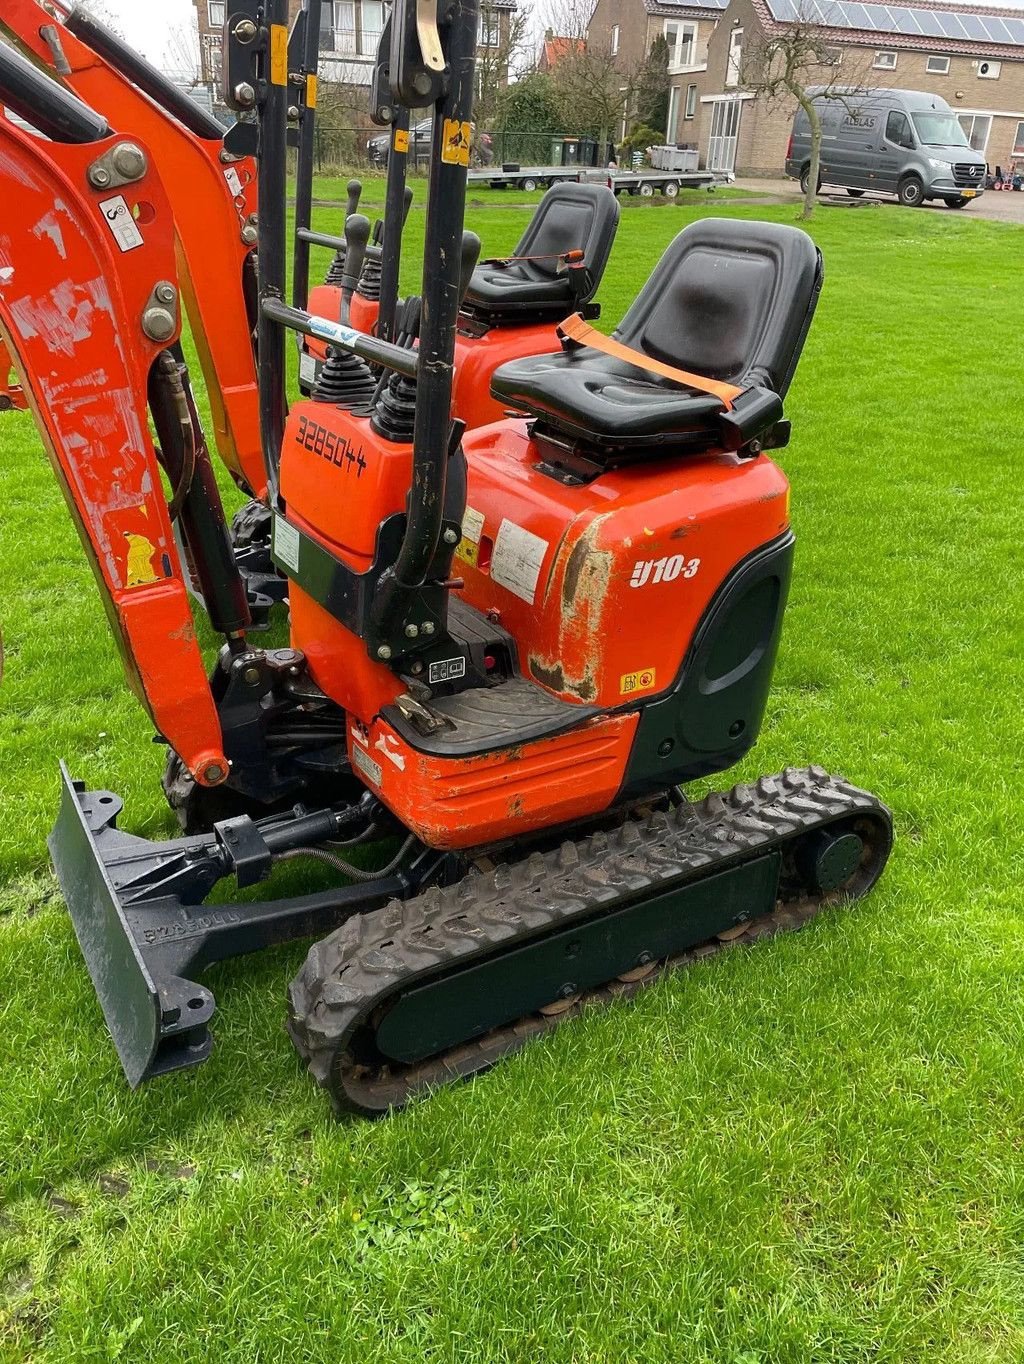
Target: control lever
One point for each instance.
(355, 191)
(468, 263)
(357, 235)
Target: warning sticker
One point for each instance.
(286, 544)
(517, 560)
(118, 217)
(643, 680)
(278, 54)
(447, 670)
(312, 86)
(234, 181)
(401, 139)
(455, 144)
(309, 369)
(472, 529)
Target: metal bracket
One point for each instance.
(121, 165)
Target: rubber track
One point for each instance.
(371, 957)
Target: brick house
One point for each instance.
(349, 33)
(625, 29)
(971, 55)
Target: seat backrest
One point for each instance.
(729, 299)
(572, 217)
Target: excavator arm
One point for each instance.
(212, 193)
(89, 305)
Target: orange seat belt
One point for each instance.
(582, 333)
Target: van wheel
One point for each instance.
(910, 192)
(805, 180)
(854, 193)
(958, 202)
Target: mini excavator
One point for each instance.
(510, 647)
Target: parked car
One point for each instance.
(419, 146)
(903, 142)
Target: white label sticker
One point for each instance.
(286, 543)
(234, 181)
(446, 671)
(517, 559)
(118, 217)
(472, 525)
(371, 770)
(308, 368)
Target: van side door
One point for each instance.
(897, 140)
(856, 144)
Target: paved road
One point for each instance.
(996, 205)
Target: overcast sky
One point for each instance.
(157, 27)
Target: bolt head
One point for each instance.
(158, 324)
(249, 235)
(166, 293)
(214, 773)
(252, 676)
(244, 94)
(412, 632)
(129, 161)
(428, 627)
(451, 537)
(293, 113)
(245, 31)
(416, 668)
(384, 652)
(99, 176)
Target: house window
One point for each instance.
(1018, 141)
(490, 28)
(673, 114)
(215, 13)
(682, 43)
(357, 27)
(976, 129)
(690, 108)
(732, 70)
(831, 56)
(615, 40)
(211, 58)
(937, 66)
(885, 61)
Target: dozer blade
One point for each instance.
(155, 1028)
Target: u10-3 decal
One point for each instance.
(663, 570)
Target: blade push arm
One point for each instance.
(88, 304)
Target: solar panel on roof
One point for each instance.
(933, 23)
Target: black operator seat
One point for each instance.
(730, 301)
(535, 280)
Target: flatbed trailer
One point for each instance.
(643, 182)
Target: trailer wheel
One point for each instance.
(647, 191)
(529, 183)
(670, 190)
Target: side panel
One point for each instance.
(78, 269)
(476, 359)
(603, 584)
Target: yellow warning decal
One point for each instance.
(278, 54)
(455, 145)
(468, 552)
(472, 529)
(638, 681)
(140, 561)
(311, 90)
(401, 139)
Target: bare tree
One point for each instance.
(494, 61)
(800, 65)
(104, 12)
(595, 88)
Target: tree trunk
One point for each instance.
(811, 192)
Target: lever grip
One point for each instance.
(357, 234)
(407, 205)
(355, 191)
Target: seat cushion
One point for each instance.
(604, 400)
(494, 286)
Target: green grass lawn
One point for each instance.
(810, 1151)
